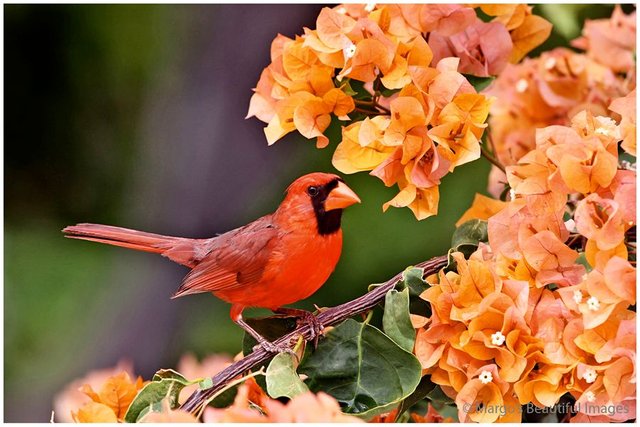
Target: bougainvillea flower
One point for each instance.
(544, 91)
(586, 166)
(432, 416)
(459, 127)
(623, 188)
(482, 207)
(445, 19)
(602, 293)
(531, 174)
(409, 20)
(612, 41)
(600, 219)
(531, 33)
(361, 148)
(504, 338)
(483, 48)
(626, 107)
(298, 60)
(94, 412)
(311, 118)
(168, 415)
(476, 281)
(483, 399)
(622, 344)
(423, 202)
(615, 284)
(116, 393)
(71, 397)
(447, 83)
(306, 407)
(428, 166)
(454, 369)
(510, 15)
(411, 63)
(527, 31)
(406, 114)
(543, 384)
(545, 251)
(433, 339)
(598, 258)
(332, 28)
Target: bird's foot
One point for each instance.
(273, 348)
(317, 329)
(306, 318)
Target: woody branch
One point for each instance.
(328, 317)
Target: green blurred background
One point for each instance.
(133, 115)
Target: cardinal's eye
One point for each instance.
(313, 191)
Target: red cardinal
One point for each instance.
(276, 260)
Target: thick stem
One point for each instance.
(327, 317)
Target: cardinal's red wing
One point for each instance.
(237, 258)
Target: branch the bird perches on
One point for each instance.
(327, 317)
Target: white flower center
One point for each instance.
(342, 10)
(369, 7)
(522, 85)
(570, 224)
(591, 397)
(550, 63)
(350, 50)
(485, 377)
(593, 304)
(498, 338)
(590, 375)
(577, 297)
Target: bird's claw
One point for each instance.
(273, 348)
(316, 327)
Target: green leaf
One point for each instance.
(358, 87)
(424, 388)
(388, 92)
(225, 399)
(282, 378)
(270, 328)
(396, 322)
(479, 83)
(205, 383)
(362, 368)
(165, 384)
(582, 259)
(467, 237)
(412, 279)
(345, 86)
(437, 395)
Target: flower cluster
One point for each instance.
(79, 402)
(553, 87)
(392, 73)
(545, 308)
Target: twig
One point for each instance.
(373, 103)
(493, 160)
(328, 317)
(367, 112)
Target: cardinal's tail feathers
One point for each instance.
(124, 237)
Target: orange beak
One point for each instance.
(340, 198)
